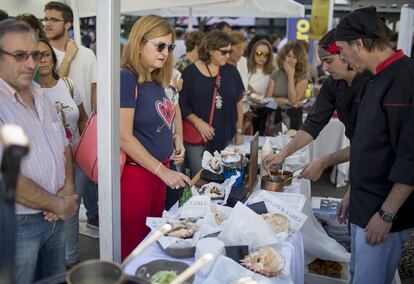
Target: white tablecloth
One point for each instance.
(331, 139)
(316, 241)
(155, 252)
(313, 238)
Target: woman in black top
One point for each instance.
(196, 98)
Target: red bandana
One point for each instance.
(332, 48)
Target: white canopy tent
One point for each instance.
(88, 8)
(236, 8)
(108, 53)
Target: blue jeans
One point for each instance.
(375, 264)
(40, 244)
(90, 199)
(72, 224)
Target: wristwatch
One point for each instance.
(386, 216)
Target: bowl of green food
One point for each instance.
(162, 271)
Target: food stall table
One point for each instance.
(155, 252)
(332, 138)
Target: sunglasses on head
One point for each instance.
(262, 53)
(225, 52)
(21, 56)
(162, 45)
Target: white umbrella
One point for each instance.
(235, 8)
(87, 8)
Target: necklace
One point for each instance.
(219, 99)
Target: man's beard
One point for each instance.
(58, 36)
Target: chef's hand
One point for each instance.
(272, 161)
(206, 131)
(342, 211)
(313, 170)
(173, 179)
(377, 230)
(179, 150)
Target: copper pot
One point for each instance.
(276, 181)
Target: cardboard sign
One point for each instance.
(275, 205)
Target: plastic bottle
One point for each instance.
(266, 150)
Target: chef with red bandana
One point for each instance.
(338, 94)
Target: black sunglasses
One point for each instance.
(162, 45)
(21, 56)
(225, 52)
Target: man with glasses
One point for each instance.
(79, 64)
(45, 191)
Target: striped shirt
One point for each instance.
(45, 163)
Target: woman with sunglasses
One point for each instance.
(212, 90)
(65, 95)
(260, 67)
(288, 84)
(146, 119)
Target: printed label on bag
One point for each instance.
(196, 207)
(275, 205)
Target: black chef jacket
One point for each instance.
(382, 149)
(335, 95)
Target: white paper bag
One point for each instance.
(238, 229)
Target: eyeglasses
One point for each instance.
(262, 53)
(51, 20)
(21, 56)
(162, 45)
(225, 52)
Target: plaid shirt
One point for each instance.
(45, 163)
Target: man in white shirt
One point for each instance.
(79, 64)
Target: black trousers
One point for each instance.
(295, 116)
(259, 122)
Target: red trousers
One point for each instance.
(142, 196)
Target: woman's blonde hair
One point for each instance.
(144, 29)
(251, 63)
(301, 54)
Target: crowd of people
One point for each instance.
(184, 93)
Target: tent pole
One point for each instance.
(405, 36)
(108, 64)
(190, 18)
(76, 24)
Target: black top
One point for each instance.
(335, 95)
(196, 98)
(382, 149)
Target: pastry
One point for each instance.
(326, 267)
(278, 222)
(215, 164)
(265, 261)
(214, 192)
(219, 217)
(183, 229)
